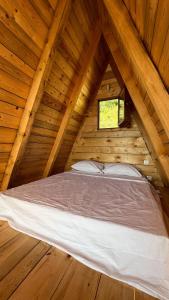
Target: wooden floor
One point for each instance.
(31, 269)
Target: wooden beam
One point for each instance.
(129, 40)
(90, 102)
(86, 59)
(131, 84)
(37, 88)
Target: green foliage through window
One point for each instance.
(111, 113)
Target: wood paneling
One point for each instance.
(37, 88)
(109, 85)
(21, 44)
(152, 24)
(43, 133)
(86, 57)
(125, 145)
(24, 27)
(143, 68)
(58, 89)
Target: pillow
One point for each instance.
(121, 169)
(90, 166)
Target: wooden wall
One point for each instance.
(24, 26)
(125, 145)
(109, 85)
(151, 20)
(67, 63)
(21, 44)
(89, 88)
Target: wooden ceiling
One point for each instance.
(52, 60)
(151, 20)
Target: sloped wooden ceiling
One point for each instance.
(21, 46)
(142, 79)
(151, 20)
(52, 59)
(79, 50)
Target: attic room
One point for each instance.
(84, 149)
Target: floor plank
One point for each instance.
(13, 279)
(44, 278)
(79, 283)
(6, 235)
(141, 296)
(3, 225)
(110, 289)
(31, 269)
(14, 251)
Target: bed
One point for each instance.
(111, 223)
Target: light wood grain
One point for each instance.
(86, 58)
(30, 269)
(140, 61)
(36, 90)
(136, 96)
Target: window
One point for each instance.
(111, 113)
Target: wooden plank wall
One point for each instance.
(75, 122)
(57, 92)
(116, 145)
(151, 20)
(109, 85)
(21, 44)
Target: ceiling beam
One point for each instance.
(85, 60)
(37, 88)
(126, 34)
(131, 85)
(93, 97)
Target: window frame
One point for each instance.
(98, 112)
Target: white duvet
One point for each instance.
(137, 257)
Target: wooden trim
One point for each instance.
(37, 88)
(86, 58)
(131, 84)
(142, 66)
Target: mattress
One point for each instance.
(111, 224)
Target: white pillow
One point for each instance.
(90, 166)
(121, 169)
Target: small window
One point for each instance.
(111, 113)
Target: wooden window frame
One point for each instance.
(98, 113)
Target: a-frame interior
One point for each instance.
(119, 145)
(51, 79)
(58, 58)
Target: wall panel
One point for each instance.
(124, 145)
(21, 44)
(151, 20)
(65, 69)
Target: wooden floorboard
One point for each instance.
(112, 289)
(31, 269)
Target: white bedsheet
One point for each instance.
(138, 258)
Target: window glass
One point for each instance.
(111, 113)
